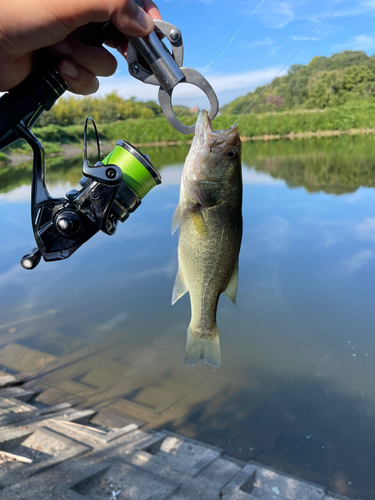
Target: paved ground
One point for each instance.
(98, 370)
(60, 453)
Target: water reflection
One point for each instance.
(296, 388)
(335, 165)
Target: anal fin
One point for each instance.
(179, 288)
(231, 289)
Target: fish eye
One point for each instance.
(232, 154)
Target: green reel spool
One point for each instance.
(137, 171)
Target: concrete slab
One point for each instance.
(89, 435)
(53, 396)
(271, 483)
(184, 456)
(158, 398)
(128, 482)
(11, 380)
(197, 490)
(21, 358)
(74, 458)
(188, 487)
(13, 405)
(80, 416)
(27, 416)
(43, 448)
(219, 472)
(75, 388)
(109, 420)
(263, 483)
(18, 393)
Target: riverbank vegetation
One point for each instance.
(330, 94)
(142, 130)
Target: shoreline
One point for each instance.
(309, 135)
(70, 151)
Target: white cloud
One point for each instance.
(356, 262)
(362, 42)
(303, 38)
(23, 193)
(329, 238)
(251, 176)
(359, 42)
(19, 194)
(172, 177)
(260, 42)
(274, 234)
(278, 15)
(365, 231)
(168, 270)
(227, 87)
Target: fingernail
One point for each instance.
(145, 20)
(69, 70)
(62, 48)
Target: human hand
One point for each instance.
(29, 25)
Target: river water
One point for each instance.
(296, 390)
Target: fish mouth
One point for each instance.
(206, 137)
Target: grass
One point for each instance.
(158, 130)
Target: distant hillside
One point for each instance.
(344, 78)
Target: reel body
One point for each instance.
(110, 191)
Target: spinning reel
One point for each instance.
(110, 191)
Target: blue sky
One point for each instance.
(262, 46)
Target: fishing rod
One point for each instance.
(114, 187)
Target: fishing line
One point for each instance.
(137, 172)
(236, 33)
(285, 65)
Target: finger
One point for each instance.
(14, 71)
(126, 15)
(121, 44)
(96, 60)
(151, 9)
(79, 80)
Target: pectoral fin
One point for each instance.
(198, 221)
(179, 288)
(176, 219)
(231, 289)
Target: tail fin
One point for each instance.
(202, 348)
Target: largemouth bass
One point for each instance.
(210, 219)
